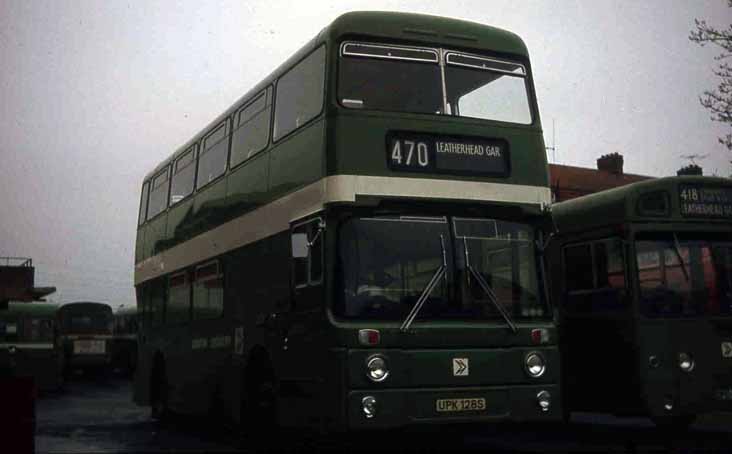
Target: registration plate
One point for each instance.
(89, 347)
(469, 404)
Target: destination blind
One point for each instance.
(415, 152)
(704, 201)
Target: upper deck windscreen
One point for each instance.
(432, 81)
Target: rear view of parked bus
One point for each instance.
(85, 330)
(27, 344)
(355, 243)
(642, 275)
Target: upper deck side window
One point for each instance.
(251, 128)
(410, 79)
(159, 193)
(184, 175)
(299, 94)
(213, 155)
(143, 203)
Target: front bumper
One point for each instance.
(408, 406)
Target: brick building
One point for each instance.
(568, 182)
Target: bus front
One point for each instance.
(683, 279)
(439, 170)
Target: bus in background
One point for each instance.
(642, 277)
(124, 340)
(85, 331)
(28, 346)
(354, 244)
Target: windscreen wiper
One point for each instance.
(439, 273)
(677, 250)
(487, 288)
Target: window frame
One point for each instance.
(192, 149)
(310, 282)
(202, 150)
(442, 61)
(268, 94)
(144, 197)
(186, 281)
(219, 275)
(166, 170)
(322, 98)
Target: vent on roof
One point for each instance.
(418, 31)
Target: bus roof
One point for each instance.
(414, 28)
(29, 309)
(81, 304)
(619, 205)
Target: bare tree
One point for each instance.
(718, 101)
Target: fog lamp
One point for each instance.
(668, 403)
(534, 364)
(544, 399)
(368, 405)
(377, 369)
(686, 362)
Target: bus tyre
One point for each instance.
(260, 403)
(159, 395)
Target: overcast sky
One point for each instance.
(93, 94)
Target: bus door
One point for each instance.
(303, 326)
(597, 323)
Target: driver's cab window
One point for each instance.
(307, 253)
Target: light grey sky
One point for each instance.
(93, 94)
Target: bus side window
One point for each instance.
(208, 292)
(299, 94)
(179, 298)
(251, 132)
(157, 302)
(578, 268)
(594, 274)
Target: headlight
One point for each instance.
(544, 399)
(535, 365)
(686, 362)
(368, 405)
(376, 368)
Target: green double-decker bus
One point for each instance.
(355, 243)
(28, 346)
(642, 277)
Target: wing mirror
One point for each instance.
(300, 245)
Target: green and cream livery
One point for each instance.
(357, 240)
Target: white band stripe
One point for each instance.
(276, 216)
(28, 346)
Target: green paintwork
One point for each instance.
(318, 361)
(342, 141)
(33, 310)
(619, 205)
(625, 339)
